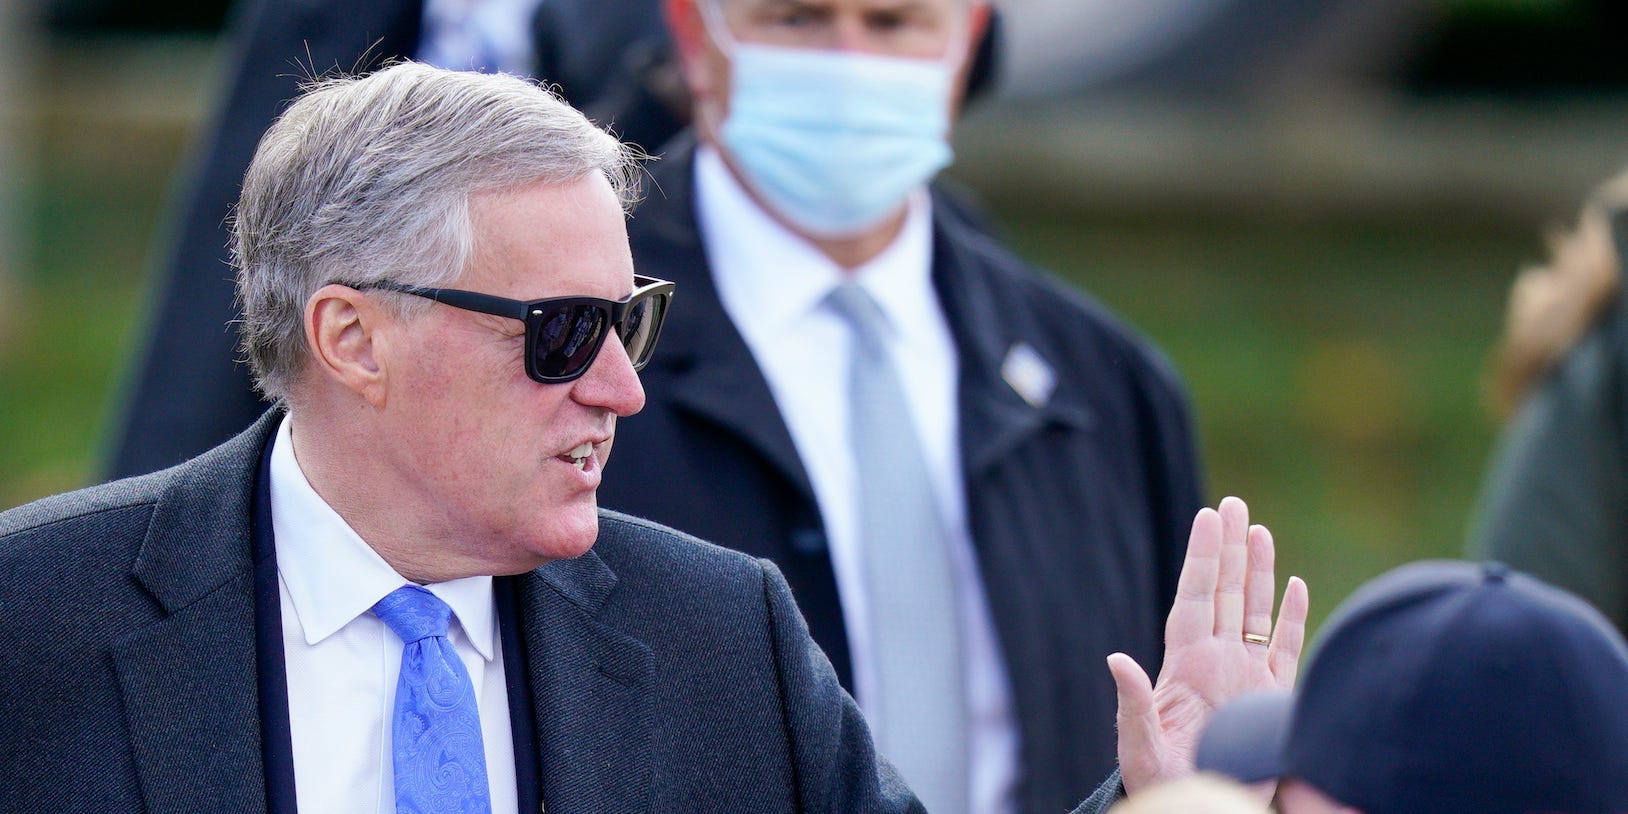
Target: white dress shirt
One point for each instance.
(773, 284)
(343, 662)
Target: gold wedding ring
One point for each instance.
(1256, 638)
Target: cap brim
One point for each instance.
(1244, 738)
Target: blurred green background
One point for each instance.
(1328, 271)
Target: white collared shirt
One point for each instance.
(343, 662)
(773, 284)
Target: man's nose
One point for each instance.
(849, 34)
(611, 382)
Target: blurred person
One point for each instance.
(976, 480)
(1555, 498)
(186, 390)
(396, 589)
(1202, 793)
(1443, 687)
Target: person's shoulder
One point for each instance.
(675, 589)
(54, 542)
(979, 249)
(663, 564)
(639, 549)
(113, 514)
(65, 513)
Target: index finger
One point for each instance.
(1192, 617)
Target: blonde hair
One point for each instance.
(1202, 793)
(1553, 305)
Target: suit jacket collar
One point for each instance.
(182, 559)
(189, 680)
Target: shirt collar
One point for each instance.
(757, 261)
(333, 576)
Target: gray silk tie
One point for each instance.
(920, 712)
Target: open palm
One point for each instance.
(1219, 643)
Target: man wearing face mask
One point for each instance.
(976, 480)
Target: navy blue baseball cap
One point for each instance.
(1446, 687)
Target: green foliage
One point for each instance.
(67, 331)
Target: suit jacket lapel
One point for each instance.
(189, 697)
(591, 693)
(188, 681)
(703, 365)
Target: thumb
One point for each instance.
(1140, 738)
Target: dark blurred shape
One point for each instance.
(1555, 498)
(1059, 46)
(187, 392)
(1525, 48)
(635, 88)
(117, 15)
(1271, 44)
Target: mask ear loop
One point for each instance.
(958, 51)
(712, 19)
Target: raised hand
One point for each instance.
(1219, 643)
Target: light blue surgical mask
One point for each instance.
(834, 141)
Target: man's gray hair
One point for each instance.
(366, 179)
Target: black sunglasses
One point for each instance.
(564, 334)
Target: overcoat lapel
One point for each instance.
(590, 691)
(995, 418)
(188, 680)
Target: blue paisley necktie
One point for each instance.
(440, 761)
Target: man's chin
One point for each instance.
(573, 537)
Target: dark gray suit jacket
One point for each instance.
(666, 674)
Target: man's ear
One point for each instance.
(977, 25)
(692, 43)
(349, 347)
